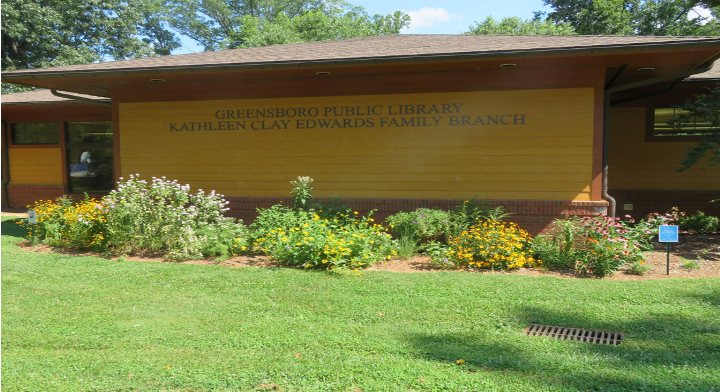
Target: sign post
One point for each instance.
(668, 234)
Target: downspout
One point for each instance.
(704, 67)
(5, 166)
(82, 99)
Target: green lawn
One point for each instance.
(86, 323)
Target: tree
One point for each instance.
(312, 26)
(641, 17)
(707, 107)
(45, 33)
(226, 24)
(518, 26)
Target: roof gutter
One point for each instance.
(46, 73)
(6, 165)
(706, 66)
(82, 99)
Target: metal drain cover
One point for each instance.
(583, 335)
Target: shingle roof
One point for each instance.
(373, 48)
(40, 97)
(713, 73)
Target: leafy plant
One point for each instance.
(700, 223)
(639, 268)
(301, 192)
(592, 245)
(420, 226)
(492, 244)
(691, 264)
(303, 238)
(438, 253)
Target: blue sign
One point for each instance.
(669, 233)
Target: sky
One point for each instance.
(433, 16)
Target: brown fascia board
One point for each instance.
(47, 73)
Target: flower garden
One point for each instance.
(162, 218)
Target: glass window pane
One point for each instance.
(90, 169)
(36, 133)
(676, 122)
(90, 132)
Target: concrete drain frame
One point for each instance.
(579, 334)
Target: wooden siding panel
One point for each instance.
(37, 166)
(637, 164)
(549, 157)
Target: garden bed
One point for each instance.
(702, 249)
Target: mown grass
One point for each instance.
(87, 323)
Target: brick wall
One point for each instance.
(532, 215)
(20, 196)
(648, 201)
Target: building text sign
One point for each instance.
(441, 114)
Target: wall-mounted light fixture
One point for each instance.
(507, 65)
(646, 69)
(322, 73)
(157, 80)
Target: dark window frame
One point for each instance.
(650, 135)
(67, 146)
(12, 136)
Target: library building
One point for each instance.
(545, 126)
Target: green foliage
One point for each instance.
(491, 244)
(228, 24)
(639, 268)
(160, 218)
(707, 107)
(420, 226)
(312, 26)
(518, 26)
(65, 224)
(470, 211)
(597, 246)
(301, 192)
(700, 223)
(691, 264)
(302, 238)
(438, 254)
(642, 17)
(37, 34)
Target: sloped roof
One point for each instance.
(377, 48)
(712, 74)
(43, 97)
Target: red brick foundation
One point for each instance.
(20, 196)
(648, 201)
(532, 215)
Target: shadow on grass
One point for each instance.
(657, 354)
(9, 227)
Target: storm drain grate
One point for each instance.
(583, 335)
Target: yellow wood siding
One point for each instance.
(548, 157)
(36, 166)
(637, 164)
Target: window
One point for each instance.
(666, 124)
(35, 133)
(89, 155)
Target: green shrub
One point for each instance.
(303, 238)
(598, 245)
(700, 223)
(425, 225)
(65, 224)
(163, 218)
(639, 268)
(420, 226)
(491, 244)
(438, 254)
